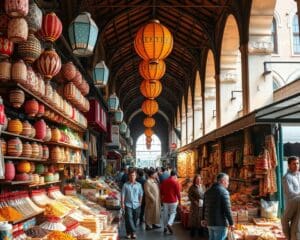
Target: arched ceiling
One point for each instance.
(192, 23)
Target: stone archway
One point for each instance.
(198, 118)
(183, 123)
(210, 94)
(231, 98)
(190, 116)
(260, 47)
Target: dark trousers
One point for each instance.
(131, 217)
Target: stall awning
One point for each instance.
(284, 111)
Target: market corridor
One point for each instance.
(179, 233)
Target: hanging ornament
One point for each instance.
(113, 102)
(17, 30)
(151, 88)
(119, 116)
(149, 122)
(152, 71)
(30, 50)
(34, 17)
(153, 42)
(49, 64)
(100, 74)
(51, 27)
(150, 107)
(83, 33)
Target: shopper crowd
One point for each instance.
(146, 191)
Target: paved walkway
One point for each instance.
(157, 234)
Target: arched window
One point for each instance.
(296, 36)
(274, 36)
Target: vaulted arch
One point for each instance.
(198, 116)
(210, 94)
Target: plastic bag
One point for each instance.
(269, 209)
(230, 235)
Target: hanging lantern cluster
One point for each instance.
(153, 43)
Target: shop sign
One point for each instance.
(97, 116)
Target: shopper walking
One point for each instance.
(152, 198)
(291, 220)
(131, 198)
(291, 180)
(170, 195)
(163, 175)
(141, 179)
(217, 208)
(196, 196)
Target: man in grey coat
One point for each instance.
(291, 180)
(217, 209)
(291, 220)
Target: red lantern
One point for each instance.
(69, 71)
(31, 107)
(51, 27)
(6, 47)
(40, 129)
(49, 64)
(16, 8)
(41, 110)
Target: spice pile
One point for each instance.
(55, 235)
(10, 214)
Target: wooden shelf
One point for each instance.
(73, 124)
(44, 184)
(27, 217)
(62, 144)
(15, 182)
(24, 158)
(70, 163)
(21, 136)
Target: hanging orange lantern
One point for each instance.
(153, 42)
(152, 71)
(149, 122)
(148, 132)
(151, 88)
(150, 107)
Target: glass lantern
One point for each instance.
(113, 103)
(100, 74)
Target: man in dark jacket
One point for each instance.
(217, 208)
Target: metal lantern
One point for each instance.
(149, 122)
(119, 116)
(100, 74)
(153, 42)
(150, 107)
(83, 33)
(113, 102)
(151, 88)
(123, 128)
(152, 71)
(148, 132)
(127, 135)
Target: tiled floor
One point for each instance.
(179, 233)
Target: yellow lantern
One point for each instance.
(149, 122)
(148, 132)
(152, 71)
(153, 42)
(150, 107)
(151, 88)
